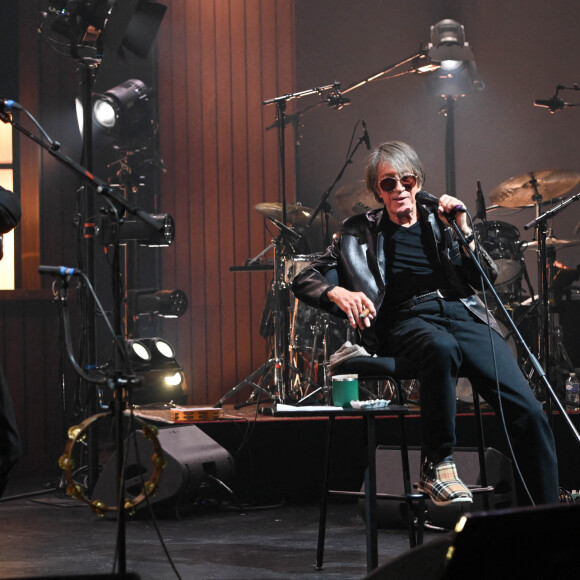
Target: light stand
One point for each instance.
(87, 210)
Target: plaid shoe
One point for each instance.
(442, 483)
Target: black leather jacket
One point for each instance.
(354, 262)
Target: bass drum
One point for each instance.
(308, 323)
(502, 243)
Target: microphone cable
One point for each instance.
(500, 410)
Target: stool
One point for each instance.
(415, 501)
(397, 369)
(393, 369)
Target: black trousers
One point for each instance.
(447, 341)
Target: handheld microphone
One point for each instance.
(433, 202)
(366, 137)
(59, 271)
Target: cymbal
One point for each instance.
(355, 198)
(519, 191)
(550, 243)
(295, 214)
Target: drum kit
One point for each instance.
(303, 337)
(535, 314)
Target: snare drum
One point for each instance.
(293, 265)
(502, 243)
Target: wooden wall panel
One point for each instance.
(218, 60)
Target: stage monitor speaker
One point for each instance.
(530, 542)
(128, 576)
(521, 543)
(392, 513)
(192, 457)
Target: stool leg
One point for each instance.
(324, 503)
(415, 531)
(371, 494)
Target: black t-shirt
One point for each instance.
(412, 267)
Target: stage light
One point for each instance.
(448, 43)
(163, 303)
(138, 231)
(139, 351)
(124, 112)
(456, 76)
(81, 21)
(162, 379)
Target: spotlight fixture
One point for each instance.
(123, 111)
(163, 303)
(138, 231)
(448, 42)
(81, 21)
(456, 74)
(162, 379)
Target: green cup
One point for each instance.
(344, 390)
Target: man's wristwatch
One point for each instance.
(469, 238)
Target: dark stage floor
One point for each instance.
(51, 535)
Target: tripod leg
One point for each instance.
(249, 381)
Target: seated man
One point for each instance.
(404, 266)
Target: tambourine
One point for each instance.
(99, 507)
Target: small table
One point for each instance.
(370, 495)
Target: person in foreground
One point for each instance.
(405, 267)
(10, 214)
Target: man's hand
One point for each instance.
(358, 308)
(446, 205)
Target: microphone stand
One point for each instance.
(336, 99)
(280, 123)
(119, 376)
(323, 205)
(514, 329)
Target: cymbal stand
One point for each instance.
(540, 223)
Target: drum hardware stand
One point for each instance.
(320, 328)
(527, 277)
(276, 363)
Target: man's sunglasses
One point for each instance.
(389, 183)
